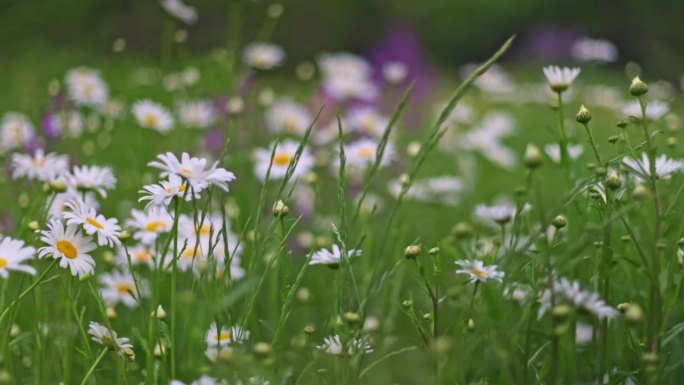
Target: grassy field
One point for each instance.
(570, 265)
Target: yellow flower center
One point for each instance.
(188, 253)
(95, 223)
(142, 256)
(123, 288)
(181, 189)
(67, 249)
(155, 226)
(479, 273)
(204, 230)
(150, 121)
(3, 262)
(282, 159)
(366, 152)
(222, 336)
(185, 171)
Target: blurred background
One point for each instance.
(448, 32)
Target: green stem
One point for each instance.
(28, 290)
(92, 368)
(592, 142)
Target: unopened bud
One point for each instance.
(33, 225)
(124, 235)
(583, 115)
(634, 313)
(275, 10)
(622, 123)
(434, 251)
(110, 312)
(58, 186)
(640, 192)
(559, 222)
(561, 311)
(638, 87)
(159, 313)
(533, 157)
(280, 210)
(463, 230)
(471, 324)
(412, 251)
(262, 348)
(613, 181)
(352, 317)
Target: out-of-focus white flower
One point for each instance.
(654, 109)
(367, 121)
(149, 224)
(331, 257)
(196, 114)
(152, 115)
(498, 214)
(394, 72)
(180, 11)
(287, 116)
(40, 166)
(108, 338)
(263, 56)
(86, 87)
(347, 76)
(69, 246)
(333, 345)
(91, 178)
(226, 335)
(437, 190)
(560, 78)
(16, 130)
(13, 255)
(584, 334)
(283, 156)
(553, 151)
(594, 50)
(664, 166)
(140, 255)
(363, 153)
(478, 272)
(120, 287)
(571, 291)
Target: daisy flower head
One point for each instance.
(367, 121)
(553, 151)
(194, 170)
(499, 214)
(331, 257)
(140, 255)
(67, 244)
(180, 11)
(161, 194)
(226, 336)
(80, 213)
(91, 178)
(654, 110)
(599, 50)
(287, 116)
(363, 153)
(560, 78)
(333, 345)
(664, 166)
(119, 288)
(347, 76)
(13, 255)
(85, 87)
(16, 130)
(478, 272)
(42, 167)
(283, 157)
(149, 114)
(263, 56)
(149, 224)
(107, 337)
(196, 114)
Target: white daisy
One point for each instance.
(152, 115)
(283, 156)
(664, 166)
(287, 116)
(91, 178)
(363, 152)
(162, 193)
(499, 214)
(149, 224)
(263, 56)
(58, 206)
(347, 76)
(560, 78)
(40, 166)
(553, 151)
(194, 170)
(13, 255)
(180, 11)
(140, 255)
(331, 257)
(367, 121)
(86, 87)
(69, 246)
(16, 130)
(226, 336)
(478, 272)
(654, 109)
(120, 287)
(104, 336)
(107, 230)
(333, 345)
(594, 50)
(196, 114)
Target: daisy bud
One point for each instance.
(235, 105)
(583, 115)
(181, 36)
(266, 97)
(262, 349)
(311, 177)
(58, 186)
(650, 358)
(110, 312)
(405, 180)
(561, 311)
(305, 70)
(280, 210)
(626, 238)
(559, 222)
(471, 324)
(672, 141)
(352, 317)
(638, 87)
(622, 307)
(413, 149)
(533, 157)
(412, 251)
(309, 329)
(160, 313)
(441, 346)
(463, 230)
(407, 303)
(33, 225)
(159, 350)
(622, 123)
(226, 354)
(634, 313)
(124, 235)
(661, 245)
(601, 171)
(275, 10)
(613, 139)
(640, 192)
(613, 181)
(119, 45)
(427, 316)
(434, 251)
(304, 295)
(15, 330)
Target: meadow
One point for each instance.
(228, 217)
